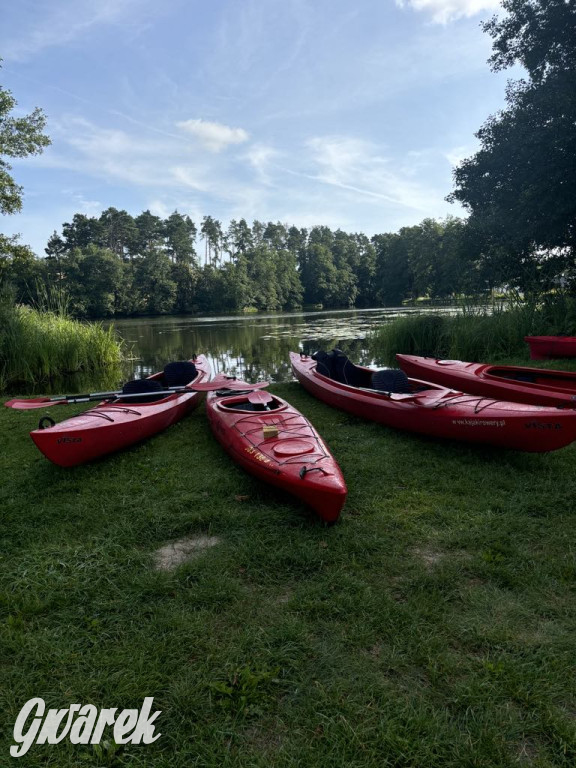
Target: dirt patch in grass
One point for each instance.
(429, 557)
(527, 752)
(171, 555)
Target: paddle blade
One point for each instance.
(224, 383)
(39, 402)
(260, 398)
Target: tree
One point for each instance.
(180, 232)
(100, 273)
(393, 278)
(119, 232)
(520, 187)
(539, 34)
(211, 232)
(81, 232)
(154, 284)
(320, 277)
(238, 237)
(149, 233)
(20, 271)
(19, 137)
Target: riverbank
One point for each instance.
(433, 626)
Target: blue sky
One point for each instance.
(349, 115)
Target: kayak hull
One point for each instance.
(291, 455)
(439, 412)
(110, 427)
(516, 383)
(546, 347)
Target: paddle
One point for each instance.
(260, 398)
(205, 386)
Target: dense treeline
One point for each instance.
(519, 190)
(118, 265)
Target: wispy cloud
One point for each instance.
(335, 180)
(360, 167)
(444, 11)
(59, 23)
(213, 136)
(261, 157)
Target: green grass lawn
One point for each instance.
(434, 625)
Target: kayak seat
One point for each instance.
(391, 380)
(180, 373)
(146, 387)
(337, 366)
(259, 407)
(323, 363)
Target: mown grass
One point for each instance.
(476, 333)
(432, 626)
(37, 345)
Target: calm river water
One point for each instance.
(252, 346)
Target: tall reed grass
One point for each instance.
(476, 333)
(36, 345)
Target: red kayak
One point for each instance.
(276, 443)
(111, 426)
(434, 410)
(523, 385)
(546, 347)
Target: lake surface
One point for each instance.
(254, 346)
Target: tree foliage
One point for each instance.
(19, 137)
(520, 187)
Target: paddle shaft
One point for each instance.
(46, 402)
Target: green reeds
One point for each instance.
(475, 333)
(36, 345)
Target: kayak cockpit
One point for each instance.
(177, 374)
(336, 366)
(534, 376)
(251, 404)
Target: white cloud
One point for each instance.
(214, 136)
(444, 11)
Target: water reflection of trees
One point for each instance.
(254, 347)
(251, 348)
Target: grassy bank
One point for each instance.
(36, 346)
(433, 626)
(476, 333)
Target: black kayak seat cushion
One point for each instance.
(391, 380)
(145, 387)
(323, 363)
(179, 373)
(337, 366)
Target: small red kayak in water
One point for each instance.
(546, 347)
(111, 426)
(440, 412)
(276, 443)
(509, 382)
